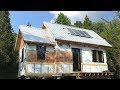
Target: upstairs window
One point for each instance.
(97, 56)
(41, 52)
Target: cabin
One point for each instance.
(60, 51)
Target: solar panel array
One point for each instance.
(78, 33)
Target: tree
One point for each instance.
(110, 30)
(28, 24)
(5, 22)
(99, 27)
(87, 24)
(117, 14)
(8, 57)
(62, 19)
(78, 24)
(112, 35)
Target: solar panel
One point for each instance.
(78, 33)
(73, 32)
(86, 34)
(81, 33)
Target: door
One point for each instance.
(76, 59)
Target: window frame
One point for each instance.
(99, 57)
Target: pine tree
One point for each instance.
(78, 24)
(99, 27)
(8, 57)
(87, 24)
(62, 19)
(5, 22)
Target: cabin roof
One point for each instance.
(60, 32)
(33, 34)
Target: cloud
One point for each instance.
(52, 21)
(79, 15)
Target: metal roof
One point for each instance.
(33, 34)
(60, 32)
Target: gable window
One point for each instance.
(22, 55)
(41, 52)
(97, 56)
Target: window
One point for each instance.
(41, 52)
(22, 55)
(97, 56)
(94, 56)
(100, 54)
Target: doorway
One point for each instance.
(76, 59)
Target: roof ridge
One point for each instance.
(30, 27)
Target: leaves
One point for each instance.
(78, 24)
(62, 19)
(87, 24)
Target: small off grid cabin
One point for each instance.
(61, 51)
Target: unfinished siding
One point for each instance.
(56, 61)
(51, 55)
(32, 54)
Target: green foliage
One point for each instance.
(8, 57)
(78, 24)
(110, 30)
(99, 27)
(5, 27)
(62, 19)
(87, 24)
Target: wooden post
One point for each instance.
(78, 77)
(90, 74)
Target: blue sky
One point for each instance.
(37, 17)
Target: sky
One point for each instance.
(36, 18)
